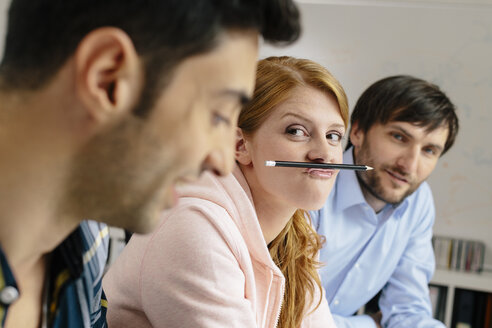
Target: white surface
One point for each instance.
(447, 44)
(464, 280)
(404, 3)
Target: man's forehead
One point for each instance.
(417, 126)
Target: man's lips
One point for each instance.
(186, 179)
(396, 176)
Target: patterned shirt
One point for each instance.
(73, 296)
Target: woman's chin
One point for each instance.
(314, 205)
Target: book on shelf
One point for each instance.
(488, 312)
(458, 254)
(472, 309)
(438, 295)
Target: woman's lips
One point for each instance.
(320, 173)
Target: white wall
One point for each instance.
(448, 44)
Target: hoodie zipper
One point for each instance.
(282, 287)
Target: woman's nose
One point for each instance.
(319, 151)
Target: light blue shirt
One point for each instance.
(366, 252)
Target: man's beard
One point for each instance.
(371, 180)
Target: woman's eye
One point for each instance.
(296, 131)
(334, 137)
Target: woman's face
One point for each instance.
(307, 127)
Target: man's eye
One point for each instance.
(398, 136)
(430, 151)
(218, 118)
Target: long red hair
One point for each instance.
(294, 250)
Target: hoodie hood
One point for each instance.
(230, 193)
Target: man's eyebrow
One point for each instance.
(241, 95)
(409, 135)
(436, 146)
(402, 130)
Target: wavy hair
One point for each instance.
(295, 249)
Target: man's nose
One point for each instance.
(220, 161)
(409, 159)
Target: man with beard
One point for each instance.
(105, 105)
(378, 223)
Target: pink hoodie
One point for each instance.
(206, 265)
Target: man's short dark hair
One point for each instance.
(43, 34)
(405, 98)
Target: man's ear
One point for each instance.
(109, 76)
(242, 154)
(356, 135)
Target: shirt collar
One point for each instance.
(6, 276)
(69, 255)
(348, 190)
(8, 287)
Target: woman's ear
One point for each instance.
(242, 154)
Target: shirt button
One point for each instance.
(8, 295)
(357, 265)
(336, 302)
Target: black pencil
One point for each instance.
(319, 165)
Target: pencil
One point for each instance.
(319, 165)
